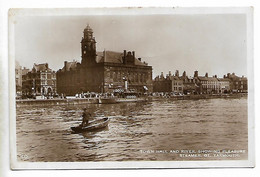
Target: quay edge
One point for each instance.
(75, 101)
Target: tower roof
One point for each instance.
(88, 29)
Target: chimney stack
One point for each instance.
(196, 73)
(206, 75)
(184, 74)
(124, 57)
(65, 65)
(177, 73)
(161, 75)
(228, 75)
(104, 55)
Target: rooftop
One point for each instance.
(41, 67)
(69, 66)
(203, 78)
(114, 57)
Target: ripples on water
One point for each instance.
(43, 133)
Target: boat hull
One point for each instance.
(122, 100)
(107, 100)
(94, 125)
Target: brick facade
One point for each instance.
(41, 80)
(103, 71)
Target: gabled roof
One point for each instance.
(41, 67)
(114, 57)
(175, 78)
(110, 57)
(70, 66)
(223, 79)
(207, 78)
(244, 78)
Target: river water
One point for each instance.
(150, 131)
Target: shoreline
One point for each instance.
(75, 101)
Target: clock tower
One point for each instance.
(88, 47)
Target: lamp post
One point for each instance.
(33, 88)
(125, 83)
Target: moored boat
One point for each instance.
(134, 99)
(107, 100)
(94, 125)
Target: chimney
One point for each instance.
(46, 65)
(65, 65)
(133, 52)
(177, 73)
(216, 76)
(184, 74)
(124, 57)
(224, 76)
(170, 73)
(161, 75)
(206, 75)
(139, 59)
(228, 75)
(104, 55)
(196, 73)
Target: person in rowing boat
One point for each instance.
(85, 118)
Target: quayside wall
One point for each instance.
(75, 101)
(42, 102)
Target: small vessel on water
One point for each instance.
(107, 100)
(93, 125)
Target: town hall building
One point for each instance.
(105, 71)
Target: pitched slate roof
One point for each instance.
(110, 57)
(244, 78)
(70, 66)
(41, 67)
(114, 57)
(223, 79)
(207, 78)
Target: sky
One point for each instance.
(213, 43)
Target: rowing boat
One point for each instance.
(94, 125)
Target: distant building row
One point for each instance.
(199, 84)
(41, 80)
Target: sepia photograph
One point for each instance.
(131, 88)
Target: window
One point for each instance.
(114, 76)
(136, 77)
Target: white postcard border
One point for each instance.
(16, 165)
